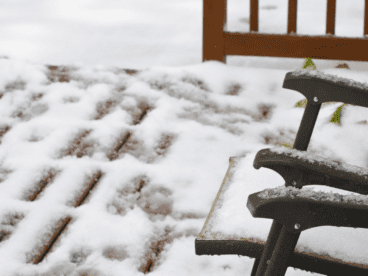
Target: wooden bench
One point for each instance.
(232, 229)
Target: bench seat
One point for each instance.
(231, 229)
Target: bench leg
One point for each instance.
(301, 143)
(284, 249)
(255, 267)
(268, 249)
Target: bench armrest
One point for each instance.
(326, 88)
(302, 168)
(301, 209)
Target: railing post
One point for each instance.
(330, 22)
(253, 26)
(214, 20)
(365, 18)
(292, 16)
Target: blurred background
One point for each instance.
(144, 33)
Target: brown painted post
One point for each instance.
(366, 18)
(253, 16)
(292, 16)
(214, 20)
(330, 22)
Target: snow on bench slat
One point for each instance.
(292, 192)
(311, 158)
(334, 78)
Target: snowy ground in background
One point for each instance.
(199, 116)
(143, 33)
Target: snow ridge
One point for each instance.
(334, 78)
(282, 191)
(311, 158)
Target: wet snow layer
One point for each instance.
(321, 75)
(292, 192)
(311, 158)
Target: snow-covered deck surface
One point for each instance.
(151, 150)
(230, 219)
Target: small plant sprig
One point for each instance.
(308, 64)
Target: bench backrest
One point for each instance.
(218, 43)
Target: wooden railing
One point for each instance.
(218, 43)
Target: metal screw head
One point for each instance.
(297, 226)
(315, 99)
(294, 183)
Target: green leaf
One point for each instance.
(336, 115)
(308, 64)
(286, 145)
(302, 103)
(342, 65)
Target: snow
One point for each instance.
(339, 80)
(292, 192)
(179, 151)
(311, 158)
(158, 192)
